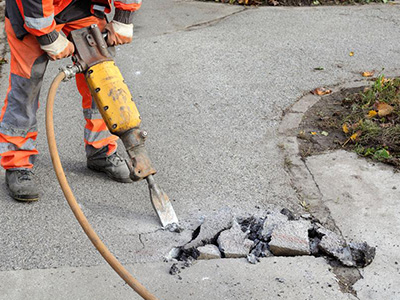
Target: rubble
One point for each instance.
(273, 219)
(254, 226)
(209, 252)
(362, 253)
(334, 245)
(211, 227)
(288, 214)
(279, 233)
(172, 254)
(233, 243)
(174, 270)
(290, 238)
(251, 258)
(261, 249)
(173, 228)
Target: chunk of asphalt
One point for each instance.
(272, 220)
(211, 227)
(233, 243)
(174, 269)
(189, 255)
(254, 225)
(314, 242)
(261, 249)
(173, 254)
(209, 252)
(306, 216)
(251, 258)
(334, 245)
(288, 214)
(362, 253)
(290, 238)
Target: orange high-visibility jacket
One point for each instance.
(37, 17)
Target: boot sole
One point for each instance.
(23, 198)
(109, 174)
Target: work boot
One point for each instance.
(114, 166)
(22, 185)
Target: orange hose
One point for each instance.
(94, 238)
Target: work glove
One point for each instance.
(119, 33)
(59, 49)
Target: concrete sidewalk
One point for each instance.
(211, 82)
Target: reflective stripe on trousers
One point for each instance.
(18, 124)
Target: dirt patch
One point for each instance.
(365, 120)
(297, 2)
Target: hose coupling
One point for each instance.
(70, 71)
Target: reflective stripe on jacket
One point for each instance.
(39, 17)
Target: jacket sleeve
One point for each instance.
(38, 16)
(124, 10)
(128, 5)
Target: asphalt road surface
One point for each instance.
(211, 82)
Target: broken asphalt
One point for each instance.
(211, 82)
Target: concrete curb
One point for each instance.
(302, 180)
(3, 44)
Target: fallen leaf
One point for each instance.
(273, 2)
(302, 134)
(367, 74)
(384, 109)
(351, 53)
(324, 133)
(355, 136)
(371, 114)
(313, 133)
(321, 91)
(345, 128)
(381, 154)
(319, 69)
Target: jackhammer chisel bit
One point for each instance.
(161, 203)
(119, 111)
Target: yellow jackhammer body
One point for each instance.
(118, 109)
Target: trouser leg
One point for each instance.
(98, 140)
(18, 125)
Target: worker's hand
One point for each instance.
(59, 49)
(119, 33)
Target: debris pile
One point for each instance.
(277, 233)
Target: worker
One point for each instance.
(36, 33)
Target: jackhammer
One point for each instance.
(92, 57)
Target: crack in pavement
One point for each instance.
(331, 219)
(201, 25)
(141, 242)
(392, 20)
(144, 233)
(212, 22)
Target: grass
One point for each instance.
(372, 121)
(297, 2)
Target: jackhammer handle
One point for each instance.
(99, 39)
